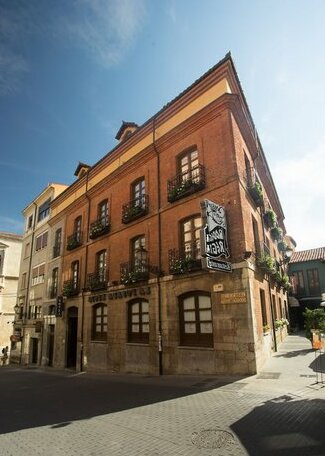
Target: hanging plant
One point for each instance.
(270, 218)
(256, 192)
(276, 233)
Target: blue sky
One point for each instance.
(71, 71)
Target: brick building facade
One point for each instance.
(137, 295)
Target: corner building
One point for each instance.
(137, 296)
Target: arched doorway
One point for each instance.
(72, 336)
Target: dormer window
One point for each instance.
(126, 130)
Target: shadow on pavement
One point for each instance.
(294, 353)
(318, 365)
(32, 398)
(284, 427)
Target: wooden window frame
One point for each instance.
(313, 290)
(138, 196)
(195, 253)
(141, 337)
(190, 168)
(196, 339)
(99, 318)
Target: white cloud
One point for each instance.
(300, 184)
(9, 224)
(105, 28)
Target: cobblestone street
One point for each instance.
(281, 411)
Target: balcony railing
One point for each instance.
(97, 281)
(56, 250)
(135, 209)
(184, 184)
(70, 288)
(99, 227)
(74, 241)
(181, 262)
(132, 273)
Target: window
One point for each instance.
(38, 273)
(257, 247)
(34, 312)
(313, 282)
(44, 210)
(188, 166)
(51, 310)
(55, 282)
(138, 192)
(27, 250)
(57, 243)
(101, 266)
(23, 280)
(196, 320)
(298, 283)
(103, 212)
(190, 237)
(263, 307)
(248, 171)
(280, 311)
(138, 321)
(75, 275)
(138, 252)
(30, 222)
(77, 228)
(275, 312)
(41, 241)
(99, 319)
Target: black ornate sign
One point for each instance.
(59, 306)
(214, 237)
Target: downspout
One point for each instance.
(85, 280)
(160, 347)
(28, 284)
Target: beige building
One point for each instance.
(33, 282)
(10, 251)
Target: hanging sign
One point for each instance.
(215, 250)
(59, 306)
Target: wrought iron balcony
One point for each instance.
(56, 250)
(181, 262)
(74, 240)
(184, 184)
(97, 281)
(70, 288)
(132, 273)
(135, 209)
(99, 227)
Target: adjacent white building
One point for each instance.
(10, 252)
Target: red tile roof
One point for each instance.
(308, 255)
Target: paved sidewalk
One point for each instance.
(280, 412)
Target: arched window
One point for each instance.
(99, 320)
(138, 321)
(195, 317)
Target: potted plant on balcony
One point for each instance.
(276, 233)
(67, 289)
(270, 218)
(282, 246)
(266, 263)
(256, 192)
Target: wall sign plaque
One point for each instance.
(238, 297)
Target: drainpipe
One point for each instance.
(25, 308)
(160, 347)
(85, 280)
